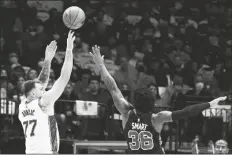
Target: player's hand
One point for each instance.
(216, 101)
(96, 55)
(70, 40)
(50, 51)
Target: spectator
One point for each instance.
(82, 86)
(199, 88)
(18, 92)
(160, 74)
(195, 124)
(34, 41)
(17, 72)
(65, 107)
(5, 83)
(126, 74)
(99, 95)
(31, 74)
(79, 45)
(67, 98)
(210, 82)
(14, 60)
(95, 93)
(143, 80)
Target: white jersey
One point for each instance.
(40, 129)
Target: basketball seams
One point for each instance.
(68, 22)
(70, 13)
(66, 19)
(75, 19)
(82, 20)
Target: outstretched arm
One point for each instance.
(193, 110)
(120, 103)
(55, 92)
(45, 72)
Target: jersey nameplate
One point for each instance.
(139, 126)
(28, 112)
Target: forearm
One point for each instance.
(45, 73)
(188, 111)
(107, 78)
(66, 69)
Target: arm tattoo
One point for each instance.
(108, 79)
(45, 72)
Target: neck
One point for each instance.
(30, 98)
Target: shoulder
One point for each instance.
(20, 106)
(22, 103)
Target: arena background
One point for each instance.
(181, 46)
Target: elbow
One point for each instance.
(66, 74)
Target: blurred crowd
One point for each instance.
(182, 45)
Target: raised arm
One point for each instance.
(55, 92)
(119, 101)
(45, 72)
(193, 110)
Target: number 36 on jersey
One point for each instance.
(142, 139)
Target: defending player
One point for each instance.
(36, 112)
(141, 127)
(221, 147)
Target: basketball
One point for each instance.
(73, 17)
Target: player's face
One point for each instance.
(38, 90)
(221, 149)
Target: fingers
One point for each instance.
(96, 50)
(52, 45)
(55, 48)
(91, 54)
(222, 98)
(71, 35)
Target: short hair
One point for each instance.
(144, 100)
(95, 78)
(85, 71)
(221, 141)
(28, 86)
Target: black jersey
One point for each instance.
(140, 134)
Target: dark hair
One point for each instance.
(86, 71)
(95, 78)
(28, 86)
(144, 100)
